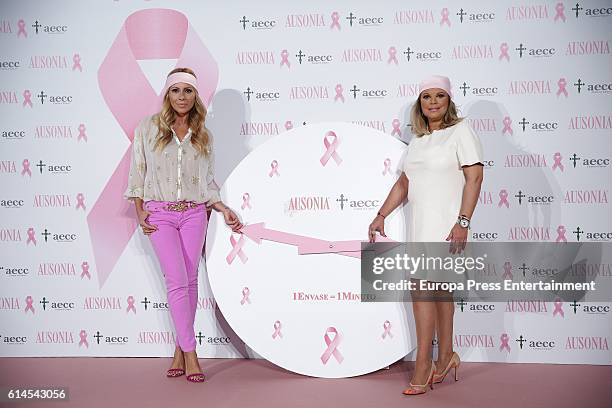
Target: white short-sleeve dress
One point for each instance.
(433, 164)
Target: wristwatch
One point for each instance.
(463, 221)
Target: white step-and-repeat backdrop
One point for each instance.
(77, 279)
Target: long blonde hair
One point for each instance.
(200, 137)
(420, 124)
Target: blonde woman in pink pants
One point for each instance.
(171, 182)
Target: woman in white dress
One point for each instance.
(442, 175)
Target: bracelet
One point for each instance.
(383, 217)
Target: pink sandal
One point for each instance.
(196, 378)
(175, 372)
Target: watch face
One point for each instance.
(464, 223)
(287, 287)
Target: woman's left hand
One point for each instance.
(231, 219)
(457, 237)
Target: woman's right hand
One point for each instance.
(147, 228)
(378, 224)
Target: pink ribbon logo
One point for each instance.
(504, 342)
(560, 9)
(245, 296)
(29, 304)
(25, 168)
(83, 341)
(392, 56)
(445, 17)
(387, 332)
(503, 48)
(561, 234)
(130, 302)
(22, 30)
(396, 128)
(558, 308)
(82, 134)
(85, 270)
(332, 346)
(146, 34)
(507, 271)
(80, 201)
(288, 125)
(76, 63)
(557, 161)
(335, 20)
(387, 164)
(339, 94)
(274, 166)
(277, 332)
(31, 236)
(285, 58)
(503, 198)
(27, 98)
(331, 148)
(507, 125)
(562, 83)
(246, 201)
(236, 250)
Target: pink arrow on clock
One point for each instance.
(306, 245)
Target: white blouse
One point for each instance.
(178, 172)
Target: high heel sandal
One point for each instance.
(415, 389)
(175, 372)
(454, 362)
(196, 378)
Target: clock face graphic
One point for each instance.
(290, 285)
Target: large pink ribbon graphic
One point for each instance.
(22, 30)
(31, 236)
(277, 332)
(25, 168)
(557, 161)
(558, 308)
(236, 250)
(445, 19)
(335, 16)
(332, 346)
(83, 337)
(561, 234)
(387, 332)
(503, 198)
(29, 304)
(331, 148)
(503, 52)
(146, 34)
(504, 342)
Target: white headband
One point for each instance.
(177, 77)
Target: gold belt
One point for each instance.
(181, 206)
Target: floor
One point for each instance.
(140, 382)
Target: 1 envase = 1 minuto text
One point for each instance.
(413, 264)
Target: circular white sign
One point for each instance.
(290, 285)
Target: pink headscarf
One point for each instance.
(436, 81)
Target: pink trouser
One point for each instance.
(178, 244)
